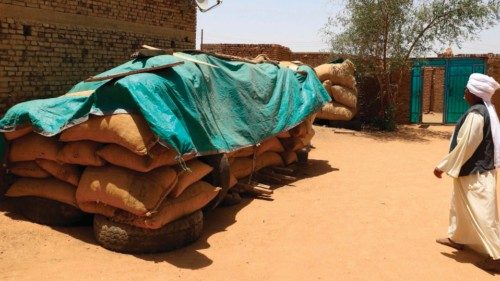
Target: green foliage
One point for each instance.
(382, 35)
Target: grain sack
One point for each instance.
(327, 84)
(33, 146)
(268, 159)
(240, 167)
(65, 172)
(81, 153)
(120, 156)
(345, 96)
(128, 130)
(338, 73)
(28, 169)
(97, 208)
(49, 188)
(289, 157)
(193, 198)
(299, 130)
(336, 111)
(284, 134)
(134, 192)
(19, 132)
(197, 171)
(271, 144)
(293, 144)
(232, 180)
(242, 152)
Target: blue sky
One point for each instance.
(295, 24)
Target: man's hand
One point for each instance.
(438, 173)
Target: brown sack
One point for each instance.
(33, 146)
(327, 84)
(242, 152)
(272, 144)
(338, 73)
(19, 132)
(49, 188)
(128, 130)
(81, 153)
(268, 159)
(193, 198)
(28, 169)
(299, 130)
(232, 180)
(289, 157)
(345, 96)
(65, 172)
(336, 111)
(187, 178)
(284, 134)
(241, 167)
(134, 192)
(97, 208)
(293, 144)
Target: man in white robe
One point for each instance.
(473, 156)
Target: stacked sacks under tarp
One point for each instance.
(340, 83)
(114, 167)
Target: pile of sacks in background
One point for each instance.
(340, 83)
(109, 165)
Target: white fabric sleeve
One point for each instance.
(469, 137)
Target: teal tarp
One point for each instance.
(190, 107)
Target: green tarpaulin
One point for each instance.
(191, 107)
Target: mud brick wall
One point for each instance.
(48, 46)
(312, 59)
(433, 89)
(273, 51)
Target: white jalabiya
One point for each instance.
(473, 212)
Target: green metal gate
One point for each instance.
(457, 72)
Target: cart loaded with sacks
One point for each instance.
(144, 148)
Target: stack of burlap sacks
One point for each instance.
(109, 165)
(340, 83)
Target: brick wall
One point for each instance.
(312, 59)
(48, 46)
(273, 51)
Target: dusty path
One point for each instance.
(368, 209)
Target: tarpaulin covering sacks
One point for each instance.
(190, 107)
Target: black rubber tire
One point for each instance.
(125, 238)
(49, 212)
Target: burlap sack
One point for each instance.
(65, 172)
(242, 152)
(128, 130)
(193, 198)
(284, 134)
(19, 132)
(289, 157)
(271, 144)
(134, 192)
(81, 153)
(299, 130)
(267, 159)
(241, 167)
(197, 171)
(232, 180)
(28, 169)
(49, 188)
(338, 73)
(345, 96)
(327, 84)
(336, 111)
(293, 144)
(33, 146)
(97, 208)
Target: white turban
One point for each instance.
(484, 86)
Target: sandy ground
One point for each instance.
(367, 208)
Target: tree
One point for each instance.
(382, 35)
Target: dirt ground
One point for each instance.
(367, 208)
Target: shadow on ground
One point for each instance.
(408, 134)
(466, 256)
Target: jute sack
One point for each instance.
(299, 130)
(293, 144)
(49, 188)
(240, 167)
(28, 169)
(97, 208)
(19, 132)
(345, 96)
(338, 73)
(134, 192)
(193, 198)
(232, 180)
(284, 134)
(327, 84)
(267, 159)
(289, 157)
(81, 153)
(65, 172)
(197, 171)
(242, 152)
(336, 111)
(128, 130)
(271, 144)
(33, 146)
